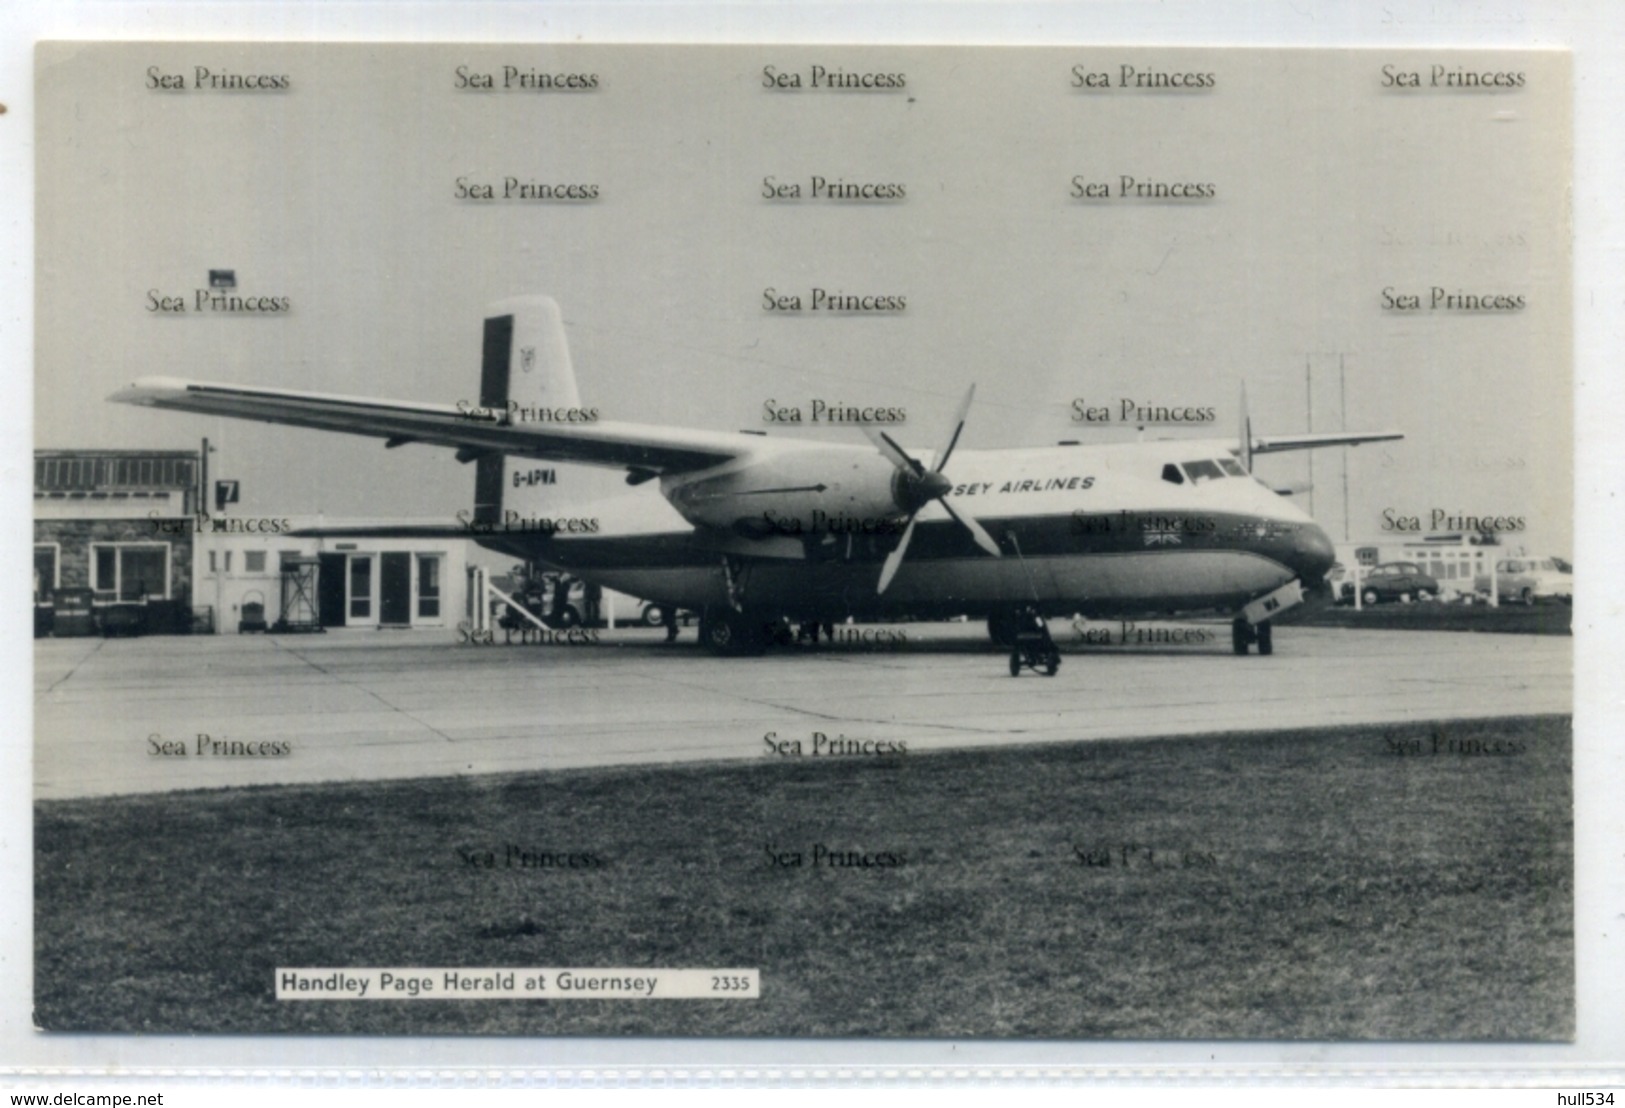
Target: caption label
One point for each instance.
(515, 983)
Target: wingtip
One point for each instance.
(148, 390)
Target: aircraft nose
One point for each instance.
(1312, 555)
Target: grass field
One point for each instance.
(1408, 882)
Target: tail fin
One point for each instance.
(525, 365)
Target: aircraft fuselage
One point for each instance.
(1136, 529)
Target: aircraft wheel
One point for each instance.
(1015, 663)
(1051, 664)
(732, 633)
(1240, 636)
(1266, 644)
(1002, 629)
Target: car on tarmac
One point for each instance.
(1524, 580)
(1391, 581)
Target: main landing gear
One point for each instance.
(1244, 634)
(1026, 636)
(726, 631)
(741, 634)
(1035, 650)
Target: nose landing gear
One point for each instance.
(1244, 634)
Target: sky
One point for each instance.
(1325, 185)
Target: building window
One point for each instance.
(360, 588)
(105, 564)
(254, 561)
(47, 571)
(428, 586)
(130, 571)
(214, 561)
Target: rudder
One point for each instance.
(524, 366)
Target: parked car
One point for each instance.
(1527, 580)
(1402, 581)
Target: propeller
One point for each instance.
(920, 486)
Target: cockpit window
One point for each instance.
(1203, 471)
(1232, 467)
(1171, 474)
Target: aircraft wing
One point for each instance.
(635, 446)
(1272, 444)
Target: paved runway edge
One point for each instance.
(116, 717)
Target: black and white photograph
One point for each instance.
(1063, 543)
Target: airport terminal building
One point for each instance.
(123, 545)
(274, 581)
(112, 533)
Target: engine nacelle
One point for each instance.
(798, 493)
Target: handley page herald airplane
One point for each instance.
(765, 528)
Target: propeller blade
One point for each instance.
(983, 539)
(1245, 454)
(941, 458)
(895, 454)
(895, 558)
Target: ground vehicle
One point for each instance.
(1402, 581)
(1527, 580)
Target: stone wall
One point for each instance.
(76, 535)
